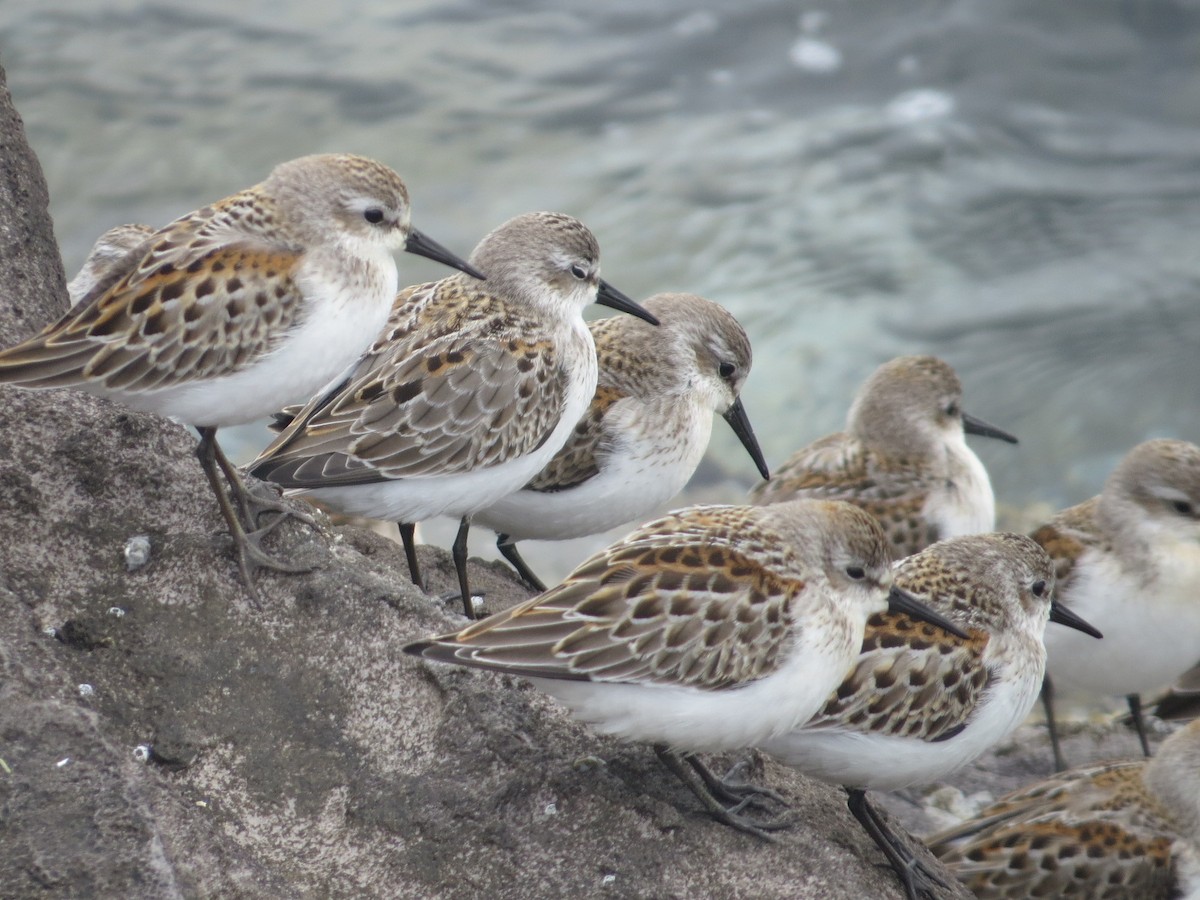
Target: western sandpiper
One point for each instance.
(902, 457)
(919, 703)
(226, 314)
(1128, 561)
(713, 628)
(467, 394)
(1123, 829)
(646, 429)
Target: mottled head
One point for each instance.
(698, 355)
(997, 583)
(111, 250)
(1155, 492)
(698, 351)
(548, 256)
(550, 260)
(839, 540)
(1173, 776)
(357, 199)
(911, 406)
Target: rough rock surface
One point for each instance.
(295, 751)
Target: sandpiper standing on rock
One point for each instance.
(233, 310)
(1128, 561)
(646, 429)
(919, 703)
(902, 457)
(467, 394)
(713, 628)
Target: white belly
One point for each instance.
(1151, 632)
(642, 473)
(688, 718)
(884, 762)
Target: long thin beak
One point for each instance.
(421, 245)
(1063, 616)
(901, 601)
(611, 297)
(972, 425)
(740, 423)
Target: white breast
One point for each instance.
(656, 450)
(463, 493)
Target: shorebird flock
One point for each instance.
(858, 618)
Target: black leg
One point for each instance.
(508, 549)
(254, 504)
(408, 534)
(731, 788)
(1060, 764)
(733, 816)
(1135, 710)
(459, 552)
(913, 874)
(246, 545)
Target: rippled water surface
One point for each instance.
(1014, 186)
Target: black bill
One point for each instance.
(1064, 616)
(740, 423)
(421, 245)
(901, 601)
(972, 425)
(611, 297)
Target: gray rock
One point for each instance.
(294, 751)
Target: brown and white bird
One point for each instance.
(903, 457)
(713, 628)
(233, 310)
(1128, 560)
(1117, 830)
(645, 431)
(466, 395)
(919, 703)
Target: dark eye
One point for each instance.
(1182, 507)
(953, 410)
(1038, 588)
(374, 215)
(727, 370)
(858, 573)
(579, 271)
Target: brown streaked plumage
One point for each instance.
(236, 308)
(902, 457)
(1115, 830)
(712, 628)
(576, 462)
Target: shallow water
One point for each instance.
(1010, 184)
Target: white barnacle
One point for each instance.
(141, 753)
(116, 612)
(86, 690)
(137, 552)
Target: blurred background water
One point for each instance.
(1013, 185)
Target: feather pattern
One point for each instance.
(1111, 830)
(451, 386)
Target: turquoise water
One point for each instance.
(1010, 185)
